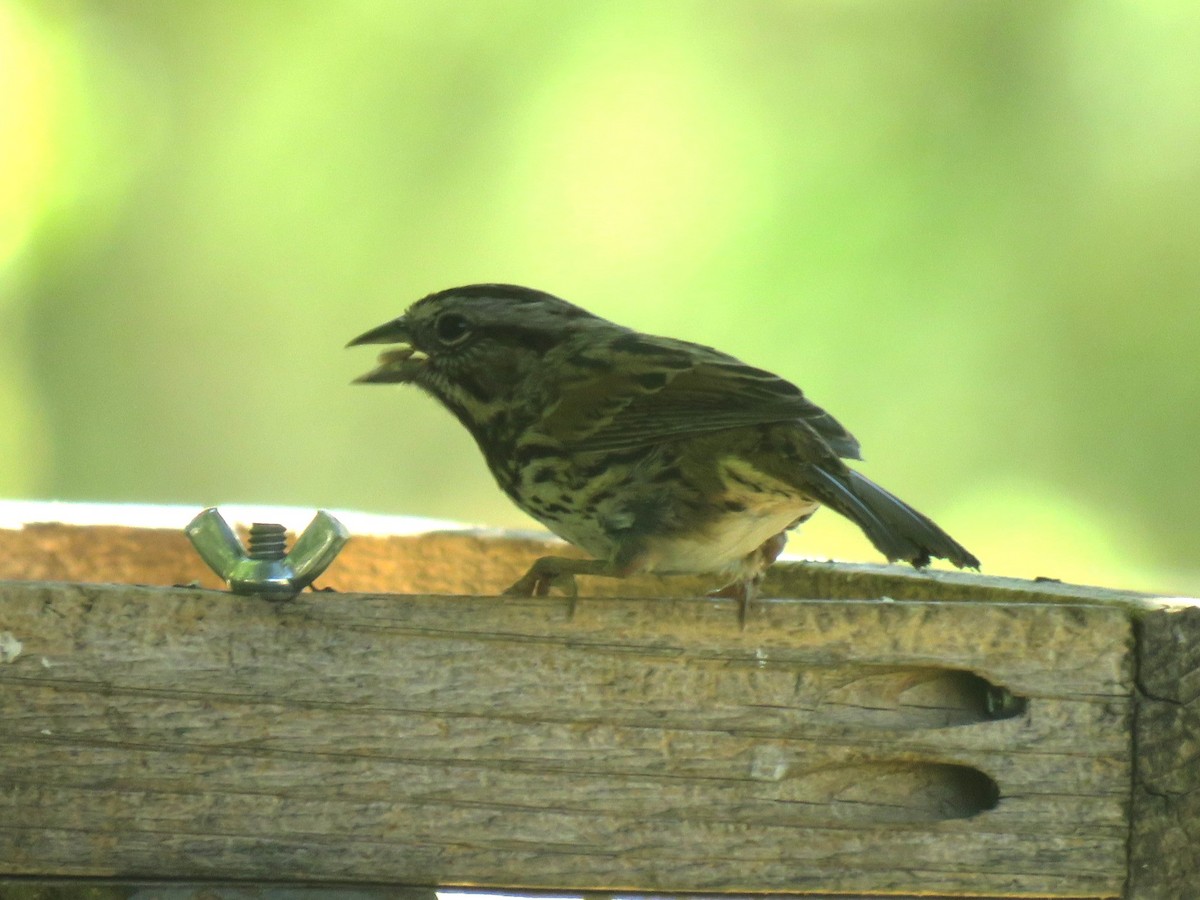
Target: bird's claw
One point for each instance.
(744, 590)
(535, 583)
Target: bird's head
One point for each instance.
(472, 347)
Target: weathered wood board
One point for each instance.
(832, 746)
(980, 746)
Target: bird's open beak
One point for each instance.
(399, 364)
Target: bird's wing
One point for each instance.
(647, 389)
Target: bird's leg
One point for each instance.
(744, 590)
(550, 572)
(558, 573)
(754, 567)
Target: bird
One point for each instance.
(651, 454)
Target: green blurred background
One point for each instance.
(971, 230)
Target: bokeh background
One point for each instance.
(971, 230)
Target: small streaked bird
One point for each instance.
(654, 455)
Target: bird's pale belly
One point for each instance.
(724, 544)
(751, 509)
(754, 507)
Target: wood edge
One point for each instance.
(1164, 845)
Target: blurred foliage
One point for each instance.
(969, 229)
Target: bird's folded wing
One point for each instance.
(658, 389)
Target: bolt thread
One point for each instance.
(267, 541)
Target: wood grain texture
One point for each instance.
(649, 745)
(1165, 844)
(483, 562)
(161, 889)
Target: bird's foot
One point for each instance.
(558, 573)
(753, 570)
(553, 573)
(544, 576)
(744, 590)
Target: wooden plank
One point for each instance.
(1164, 859)
(644, 745)
(474, 562)
(158, 889)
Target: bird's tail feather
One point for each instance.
(897, 530)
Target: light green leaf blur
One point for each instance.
(970, 230)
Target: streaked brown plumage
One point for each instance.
(651, 454)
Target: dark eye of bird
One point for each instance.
(451, 329)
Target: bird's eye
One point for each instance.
(451, 329)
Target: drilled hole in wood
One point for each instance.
(926, 697)
(921, 792)
(882, 792)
